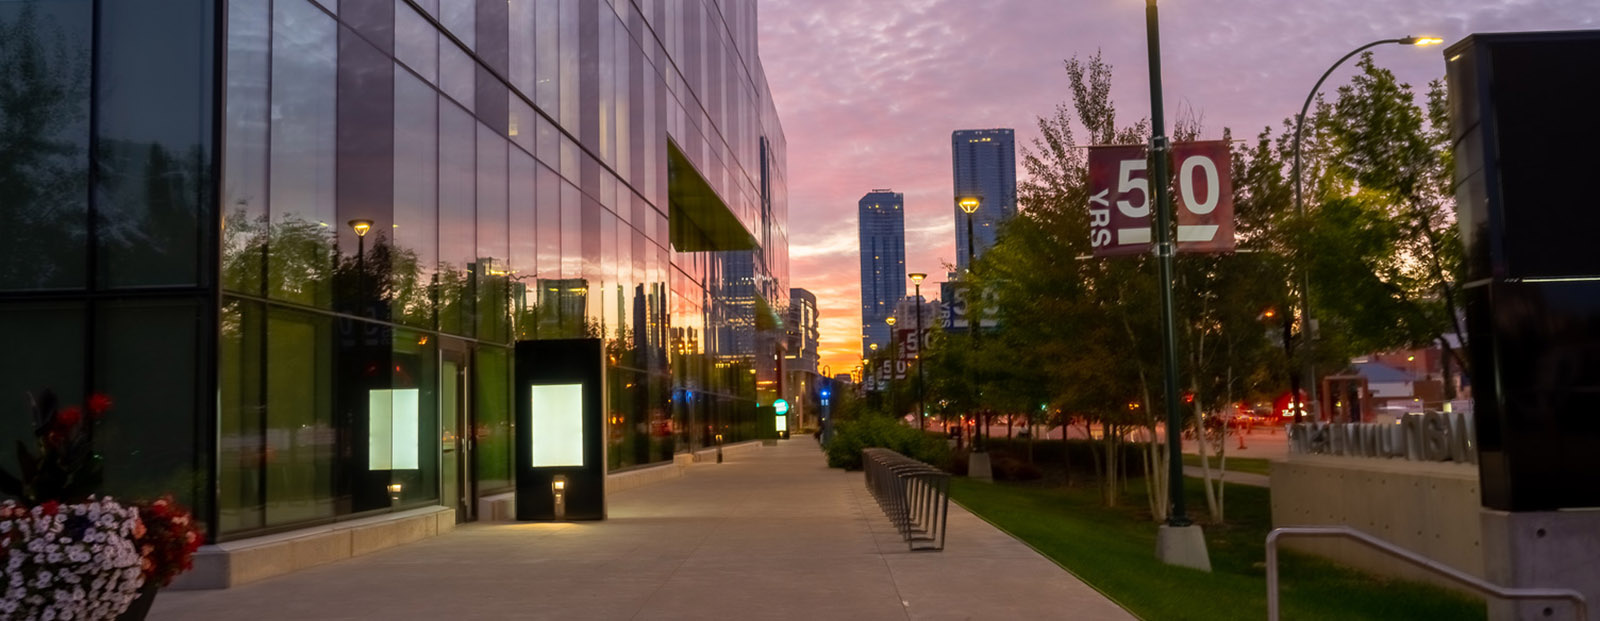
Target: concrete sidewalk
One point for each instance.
(772, 534)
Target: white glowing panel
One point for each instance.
(781, 423)
(392, 431)
(557, 425)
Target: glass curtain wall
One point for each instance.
(107, 251)
(401, 172)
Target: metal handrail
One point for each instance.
(1478, 584)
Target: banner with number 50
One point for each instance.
(1119, 200)
(1203, 196)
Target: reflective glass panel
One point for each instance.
(416, 200)
(244, 182)
(44, 56)
(304, 113)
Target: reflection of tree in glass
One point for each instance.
(148, 206)
(44, 105)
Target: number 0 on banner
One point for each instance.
(1120, 201)
(1204, 197)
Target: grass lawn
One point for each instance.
(1252, 465)
(1113, 549)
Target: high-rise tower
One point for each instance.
(985, 167)
(881, 214)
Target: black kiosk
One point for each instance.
(560, 405)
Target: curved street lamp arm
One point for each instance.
(1300, 121)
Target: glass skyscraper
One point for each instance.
(262, 225)
(882, 218)
(984, 167)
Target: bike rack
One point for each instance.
(914, 495)
(1475, 583)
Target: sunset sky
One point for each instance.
(869, 91)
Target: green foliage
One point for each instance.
(66, 468)
(882, 432)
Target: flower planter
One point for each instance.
(73, 561)
(141, 606)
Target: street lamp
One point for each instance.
(916, 281)
(1299, 200)
(970, 205)
(894, 362)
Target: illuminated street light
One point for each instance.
(1299, 199)
(361, 227)
(922, 409)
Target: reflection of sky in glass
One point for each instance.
(304, 89)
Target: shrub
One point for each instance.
(881, 432)
(1008, 468)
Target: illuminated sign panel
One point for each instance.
(556, 427)
(392, 434)
(780, 422)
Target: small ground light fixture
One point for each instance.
(558, 491)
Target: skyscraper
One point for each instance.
(802, 327)
(881, 214)
(985, 167)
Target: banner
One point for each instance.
(1203, 198)
(1119, 200)
(907, 354)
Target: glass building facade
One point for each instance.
(985, 167)
(295, 240)
(882, 219)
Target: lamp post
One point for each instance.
(922, 412)
(1178, 541)
(1304, 283)
(894, 362)
(977, 461)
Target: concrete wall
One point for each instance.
(239, 562)
(1431, 508)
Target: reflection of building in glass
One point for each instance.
(881, 217)
(985, 167)
(562, 301)
(523, 171)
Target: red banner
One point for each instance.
(1119, 200)
(907, 354)
(1203, 196)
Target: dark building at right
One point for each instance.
(984, 163)
(1523, 123)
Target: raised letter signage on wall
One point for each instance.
(1119, 200)
(1204, 197)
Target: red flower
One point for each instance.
(50, 507)
(68, 417)
(99, 404)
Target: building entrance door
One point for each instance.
(456, 434)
